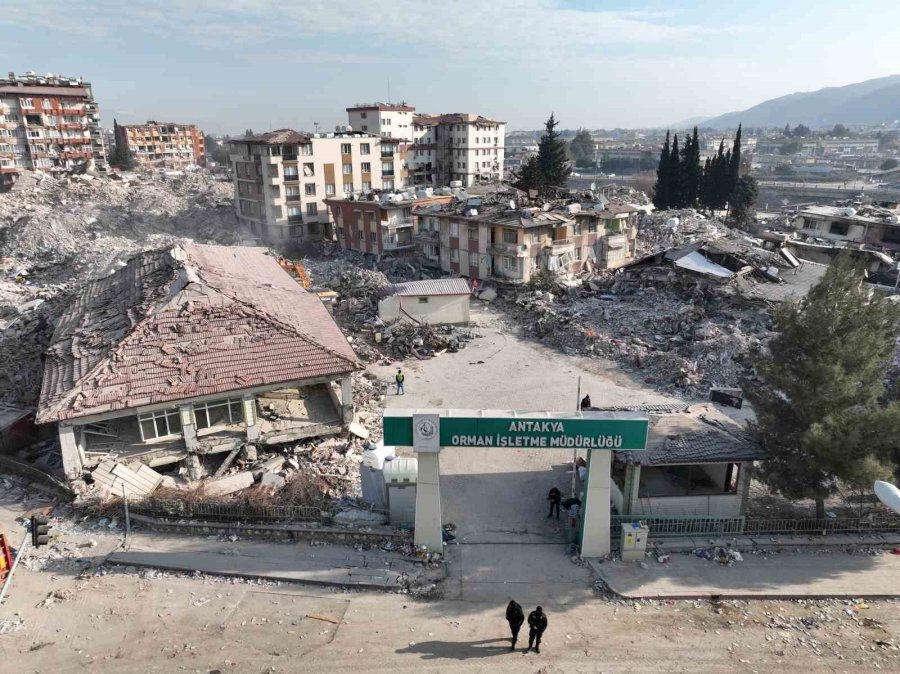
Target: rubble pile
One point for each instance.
(57, 233)
(672, 229)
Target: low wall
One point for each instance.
(721, 505)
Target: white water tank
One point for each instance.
(456, 183)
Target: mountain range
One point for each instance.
(871, 102)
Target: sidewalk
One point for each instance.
(290, 562)
(806, 573)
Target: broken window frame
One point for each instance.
(234, 408)
(168, 420)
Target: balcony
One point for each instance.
(291, 177)
(513, 249)
(292, 198)
(427, 236)
(387, 174)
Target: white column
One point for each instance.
(595, 519)
(188, 430)
(426, 443)
(428, 502)
(72, 458)
(249, 403)
(347, 399)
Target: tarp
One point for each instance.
(696, 262)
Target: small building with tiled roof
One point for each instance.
(698, 462)
(192, 351)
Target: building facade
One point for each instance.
(462, 148)
(877, 228)
(378, 226)
(282, 178)
(48, 124)
(510, 245)
(383, 119)
(165, 144)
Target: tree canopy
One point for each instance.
(819, 391)
(549, 170)
(582, 148)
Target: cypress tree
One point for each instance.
(661, 191)
(703, 190)
(691, 170)
(734, 166)
(675, 175)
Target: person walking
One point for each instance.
(537, 623)
(554, 497)
(515, 617)
(399, 378)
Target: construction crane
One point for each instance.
(297, 270)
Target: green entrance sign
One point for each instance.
(589, 430)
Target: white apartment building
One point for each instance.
(456, 147)
(282, 178)
(383, 119)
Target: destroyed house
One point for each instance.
(878, 228)
(189, 352)
(479, 239)
(698, 462)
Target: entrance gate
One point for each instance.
(427, 431)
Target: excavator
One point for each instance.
(297, 270)
(6, 560)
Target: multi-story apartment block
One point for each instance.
(508, 244)
(380, 226)
(456, 147)
(282, 178)
(165, 144)
(383, 119)
(48, 124)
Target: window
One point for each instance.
(364, 115)
(577, 252)
(27, 102)
(47, 104)
(373, 237)
(454, 229)
(312, 209)
(366, 186)
(329, 188)
(473, 234)
(364, 147)
(839, 228)
(473, 259)
(291, 192)
(306, 149)
(218, 413)
(348, 188)
(340, 232)
(592, 227)
(294, 212)
(346, 148)
(387, 121)
(510, 236)
(366, 167)
(509, 262)
(309, 170)
(348, 169)
(535, 236)
(162, 424)
(423, 300)
(310, 189)
(454, 255)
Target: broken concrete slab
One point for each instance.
(274, 480)
(358, 430)
(121, 479)
(228, 485)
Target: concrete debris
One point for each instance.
(272, 480)
(358, 430)
(56, 233)
(228, 485)
(133, 482)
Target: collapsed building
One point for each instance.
(191, 352)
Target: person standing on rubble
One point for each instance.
(515, 617)
(537, 623)
(399, 378)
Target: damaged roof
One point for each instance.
(700, 434)
(279, 137)
(186, 322)
(433, 287)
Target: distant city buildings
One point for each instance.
(165, 144)
(48, 123)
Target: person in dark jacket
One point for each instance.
(586, 402)
(515, 617)
(554, 497)
(537, 623)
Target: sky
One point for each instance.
(228, 65)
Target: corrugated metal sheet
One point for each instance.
(441, 286)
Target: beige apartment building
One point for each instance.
(282, 178)
(165, 144)
(47, 123)
(388, 120)
(456, 148)
(509, 245)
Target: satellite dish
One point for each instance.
(888, 494)
(593, 186)
(512, 204)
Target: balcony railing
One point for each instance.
(397, 224)
(387, 173)
(427, 235)
(516, 249)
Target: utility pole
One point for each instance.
(575, 451)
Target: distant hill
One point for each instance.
(870, 102)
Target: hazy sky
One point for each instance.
(232, 64)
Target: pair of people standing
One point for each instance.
(537, 623)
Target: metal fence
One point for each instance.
(674, 527)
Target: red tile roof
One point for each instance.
(192, 321)
(452, 118)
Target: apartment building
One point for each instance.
(165, 144)
(507, 244)
(874, 227)
(456, 148)
(47, 123)
(388, 120)
(380, 225)
(282, 178)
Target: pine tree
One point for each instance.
(582, 148)
(818, 393)
(661, 190)
(743, 199)
(787, 131)
(674, 175)
(528, 177)
(552, 158)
